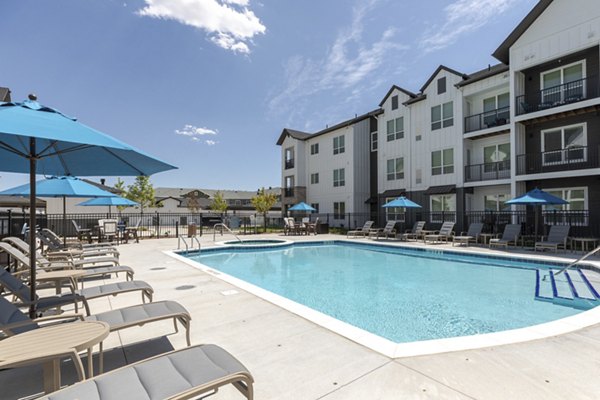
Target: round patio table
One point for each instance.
(50, 344)
(585, 242)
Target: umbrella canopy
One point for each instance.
(59, 186)
(302, 206)
(402, 202)
(109, 201)
(38, 139)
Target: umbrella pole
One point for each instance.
(32, 226)
(536, 223)
(64, 221)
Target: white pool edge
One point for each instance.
(398, 350)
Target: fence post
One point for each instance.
(10, 223)
(157, 225)
(176, 228)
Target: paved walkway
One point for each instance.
(292, 358)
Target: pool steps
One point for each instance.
(574, 288)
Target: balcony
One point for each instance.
(288, 192)
(487, 171)
(488, 119)
(569, 159)
(556, 96)
(289, 164)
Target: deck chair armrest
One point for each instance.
(50, 318)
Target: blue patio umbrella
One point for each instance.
(109, 201)
(38, 139)
(302, 206)
(401, 202)
(538, 198)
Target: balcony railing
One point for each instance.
(288, 192)
(568, 159)
(487, 171)
(289, 164)
(567, 93)
(488, 119)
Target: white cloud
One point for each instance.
(350, 66)
(196, 134)
(462, 17)
(230, 24)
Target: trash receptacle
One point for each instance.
(191, 230)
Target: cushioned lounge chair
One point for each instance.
(364, 231)
(556, 238)
(444, 235)
(415, 233)
(193, 372)
(23, 259)
(17, 288)
(509, 236)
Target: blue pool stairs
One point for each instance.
(577, 288)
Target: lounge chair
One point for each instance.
(86, 272)
(415, 233)
(180, 374)
(509, 236)
(364, 231)
(17, 288)
(388, 230)
(14, 322)
(54, 244)
(471, 235)
(444, 235)
(556, 238)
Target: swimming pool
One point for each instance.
(403, 295)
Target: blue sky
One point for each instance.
(208, 85)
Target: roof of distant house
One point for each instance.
(19, 202)
(484, 73)
(180, 193)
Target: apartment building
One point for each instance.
(466, 143)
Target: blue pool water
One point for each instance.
(401, 295)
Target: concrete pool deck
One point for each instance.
(292, 358)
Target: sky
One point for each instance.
(208, 85)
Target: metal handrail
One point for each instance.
(578, 260)
(197, 241)
(222, 225)
(180, 238)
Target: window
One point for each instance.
(314, 148)
(339, 210)
(394, 102)
(289, 186)
(442, 116)
(573, 213)
(441, 85)
(496, 157)
(289, 158)
(564, 84)
(373, 141)
(496, 202)
(395, 169)
(564, 145)
(315, 206)
(495, 110)
(395, 129)
(442, 162)
(443, 207)
(338, 145)
(418, 176)
(394, 213)
(314, 178)
(339, 177)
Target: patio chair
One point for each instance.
(81, 232)
(471, 235)
(108, 230)
(181, 374)
(509, 236)
(557, 237)
(17, 288)
(444, 235)
(312, 227)
(388, 230)
(133, 230)
(364, 231)
(55, 244)
(21, 258)
(415, 233)
(14, 322)
(295, 228)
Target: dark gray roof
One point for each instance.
(180, 193)
(443, 189)
(4, 94)
(484, 73)
(437, 71)
(416, 99)
(293, 133)
(502, 52)
(349, 122)
(18, 202)
(395, 87)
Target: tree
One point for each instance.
(142, 192)
(218, 203)
(263, 202)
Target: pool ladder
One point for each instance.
(181, 238)
(223, 226)
(591, 253)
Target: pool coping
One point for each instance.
(410, 349)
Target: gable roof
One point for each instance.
(502, 52)
(290, 132)
(484, 73)
(437, 71)
(395, 87)
(415, 99)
